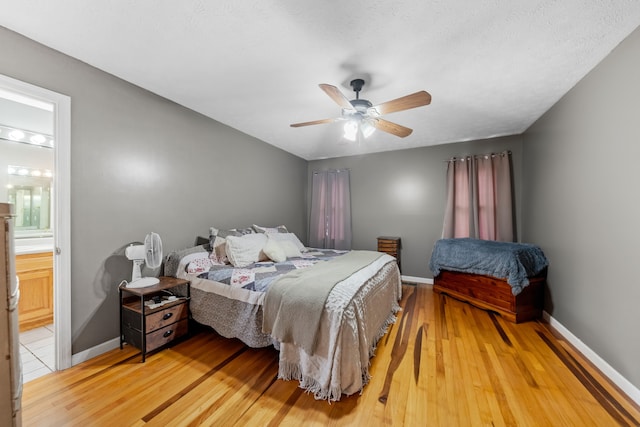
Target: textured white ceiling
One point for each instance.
(492, 66)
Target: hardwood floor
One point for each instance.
(443, 362)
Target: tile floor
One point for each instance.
(37, 352)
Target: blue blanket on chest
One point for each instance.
(515, 262)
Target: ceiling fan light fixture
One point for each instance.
(367, 129)
(351, 130)
(352, 127)
(363, 117)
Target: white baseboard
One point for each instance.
(629, 389)
(92, 352)
(414, 279)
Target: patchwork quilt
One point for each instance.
(258, 276)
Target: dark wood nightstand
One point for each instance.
(391, 246)
(149, 327)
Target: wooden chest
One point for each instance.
(494, 294)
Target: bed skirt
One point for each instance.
(490, 293)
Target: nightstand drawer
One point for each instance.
(388, 245)
(166, 335)
(167, 316)
(384, 246)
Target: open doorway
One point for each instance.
(26, 181)
(34, 176)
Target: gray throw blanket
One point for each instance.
(294, 303)
(515, 262)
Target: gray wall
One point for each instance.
(402, 193)
(582, 206)
(141, 163)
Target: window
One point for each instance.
(479, 198)
(330, 222)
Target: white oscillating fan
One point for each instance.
(149, 253)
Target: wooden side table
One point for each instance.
(391, 246)
(154, 316)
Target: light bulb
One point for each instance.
(367, 129)
(38, 139)
(350, 130)
(16, 135)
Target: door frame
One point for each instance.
(61, 211)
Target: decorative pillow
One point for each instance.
(274, 251)
(246, 249)
(269, 230)
(218, 250)
(198, 262)
(289, 237)
(217, 242)
(231, 232)
(290, 249)
(172, 262)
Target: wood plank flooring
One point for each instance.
(443, 363)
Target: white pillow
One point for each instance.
(290, 249)
(270, 230)
(289, 237)
(274, 251)
(245, 250)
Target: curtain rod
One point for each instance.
(478, 156)
(332, 170)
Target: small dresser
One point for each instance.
(391, 246)
(153, 317)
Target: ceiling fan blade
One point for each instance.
(392, 128)
(315, 122)
(414, 100)
(336, 95)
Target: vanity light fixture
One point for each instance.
(27, 171)
(9, 133)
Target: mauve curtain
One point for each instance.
(458, 222)
(479, 198)
(330, 219)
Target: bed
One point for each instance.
(237, 300)
(506, 278)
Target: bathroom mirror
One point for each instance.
(32, 201)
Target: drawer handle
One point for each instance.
(167, 316)
(168, 333)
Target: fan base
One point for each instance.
(143, 282)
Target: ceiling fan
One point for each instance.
(362, 115)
